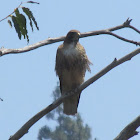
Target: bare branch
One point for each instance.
(126, 24)
(130, 130)
(135, 29)
(24, 129)
(108, 68)
(4, 51)
(124, 39)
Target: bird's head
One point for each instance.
(72, 37)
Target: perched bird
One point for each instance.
(71, 65)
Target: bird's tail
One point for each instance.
(70, 105)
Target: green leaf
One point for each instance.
(30, 16)
(32, 2)
(35, 22)
(16, 25)
(10, 23)
(22, 24)
(27, 12)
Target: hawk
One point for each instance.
(71, 65)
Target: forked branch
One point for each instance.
(109, 31)
(24, 129)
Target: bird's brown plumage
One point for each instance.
(71, 65)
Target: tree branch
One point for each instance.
(130, 130)
(24, 129)
(126, 24)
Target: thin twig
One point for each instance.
(124, 39)
(130, 130)
(24, 129)
(11, 13)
